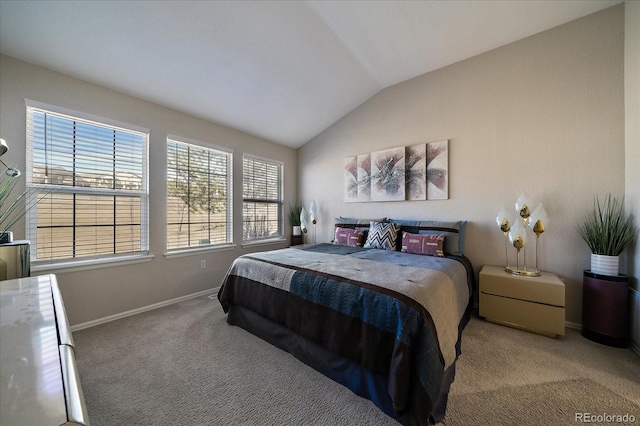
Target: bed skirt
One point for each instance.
(358, 379)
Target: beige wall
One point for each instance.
(544, 114)
(94, 294)
(632, 126)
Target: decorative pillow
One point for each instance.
(348, 237)
(382, 235)
(454, 232)
(428, 244)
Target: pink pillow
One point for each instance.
(428, 244)
(348, 237)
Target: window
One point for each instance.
(199, 195)
(90, 180)
(262, 198)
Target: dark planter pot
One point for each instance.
(605, 309)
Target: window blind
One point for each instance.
(199, 195)
(262, 191)
(91, 187)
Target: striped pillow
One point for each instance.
(382, 235)
(348, 237)
(428, 244)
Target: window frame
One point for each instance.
(186, 250)
(96, 260)
(280, 236)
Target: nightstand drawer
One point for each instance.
(531, 303)
(536, 317)
(547, 288)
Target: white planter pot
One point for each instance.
(605, 265)
(296, 231)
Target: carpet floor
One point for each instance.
(184, 365)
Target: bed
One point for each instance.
(383, 317)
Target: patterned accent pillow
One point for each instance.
(382, 235)
(348, 237)
(454, 232)
(428, 244)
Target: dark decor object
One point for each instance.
(605, 309)
(15, 260)
(6, 237)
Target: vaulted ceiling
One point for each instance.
(280, 70)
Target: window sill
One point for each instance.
(198, 250)
(264, 242)
(84, 265)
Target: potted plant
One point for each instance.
(607, 229)
(14, 202)
(294, 218)
(12, 206)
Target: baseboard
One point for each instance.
(573, 325)
(141, 310)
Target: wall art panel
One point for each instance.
(438, 170)
(417, 172)
(364, 177)
(388, 175)
(351, 179)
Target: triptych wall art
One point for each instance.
(418, 172)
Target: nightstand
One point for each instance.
(533, 304)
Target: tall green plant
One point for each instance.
(294, 214)
(607, 229)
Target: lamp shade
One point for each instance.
(517, 235)
(539, 219)
(523, 205)
(304, 224)
(313, 212)
(505, 219)
(3, 147)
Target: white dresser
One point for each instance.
(39, 382)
